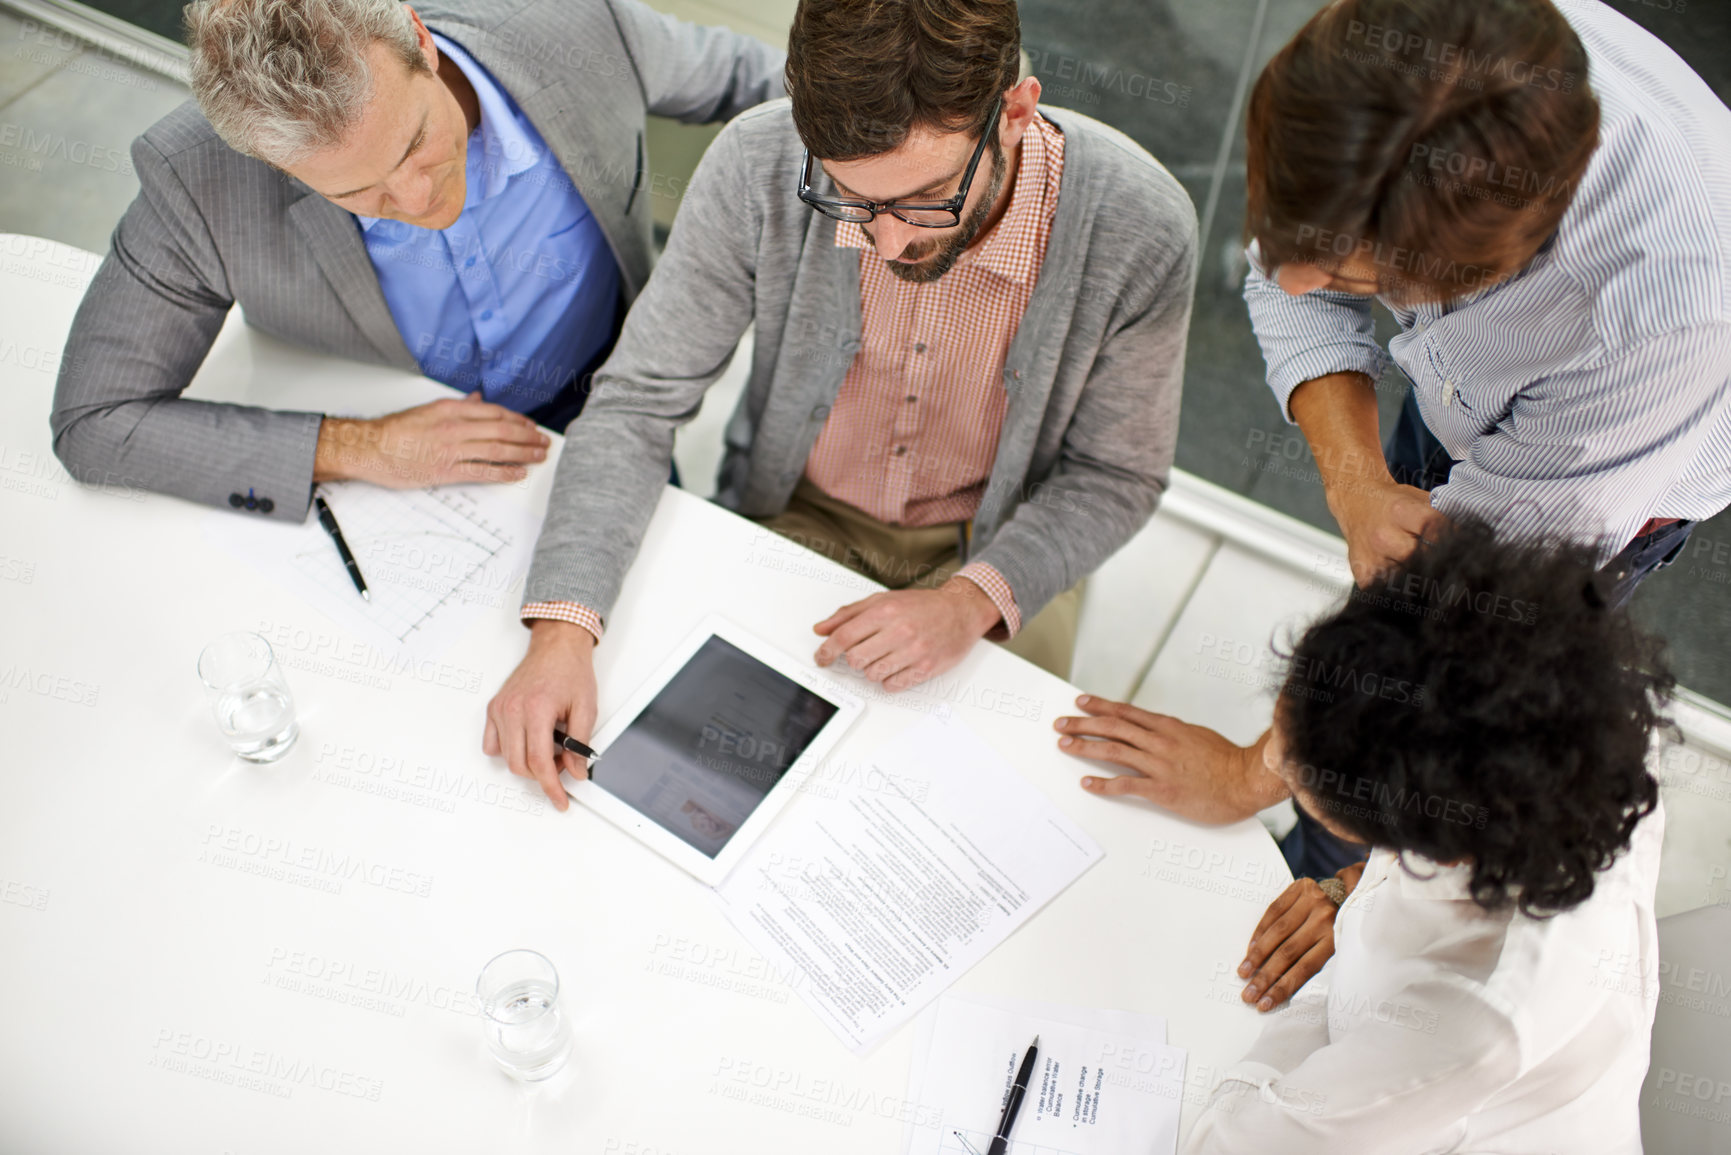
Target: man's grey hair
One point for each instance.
(279, 79)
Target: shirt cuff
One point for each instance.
(996, 588)
(577, 615)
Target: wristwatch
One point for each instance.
(1334, 889)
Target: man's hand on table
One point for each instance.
(552, 687)
(1189, 770)
(903, 637)
(440, 443)
(1293, 941)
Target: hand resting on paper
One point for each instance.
(440, 443)
(1189, 770)
(553, 686)
(1293, 941)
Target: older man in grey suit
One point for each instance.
(460, 196)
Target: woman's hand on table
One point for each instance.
(1293, 940)
(1189, 770)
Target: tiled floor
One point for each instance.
(68, 115)
(1177, 620)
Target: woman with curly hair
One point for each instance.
(1480, 719)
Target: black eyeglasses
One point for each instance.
(945, 214)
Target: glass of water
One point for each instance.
(519, 995)
(251, 701)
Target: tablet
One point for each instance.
(700, 759)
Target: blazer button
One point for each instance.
(819, 412)
(265, 505)
(236, 500)
(251, 503)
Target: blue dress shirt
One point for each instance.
(520, 293)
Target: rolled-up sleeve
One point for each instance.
(1311, 335)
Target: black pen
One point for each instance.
(576, 747)
(1001, 1141)
(329, 521)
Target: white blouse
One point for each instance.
(1437, 1027)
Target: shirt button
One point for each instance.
(901, 449)
(470, 263)
(919, 346)
(912, 398)
(1448, 392)
(486, 314)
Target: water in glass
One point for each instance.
(258, 719)
(525, 1031)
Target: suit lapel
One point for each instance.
(604, 158)
(336, 245)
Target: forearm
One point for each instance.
(1065, 530)
(354, 449)
(609, 479)
(1337, 414)
(144, 328)
(341, 443)
(214, 454)
(974, 604)
(1255, 787)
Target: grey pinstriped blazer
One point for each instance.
(212, 228)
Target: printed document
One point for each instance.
(885, 894)
(1104, 1082)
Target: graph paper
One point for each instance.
(434, 560)
(420, 551)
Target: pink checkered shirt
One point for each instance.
(914, 430)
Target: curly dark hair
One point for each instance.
(1478, 702)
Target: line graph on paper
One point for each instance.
(972, 1142)
(420, 551)
(434, 560)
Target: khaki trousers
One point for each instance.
(919, 557)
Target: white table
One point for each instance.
(146, 979)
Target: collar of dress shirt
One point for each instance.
(1012, 249)
(498, 149)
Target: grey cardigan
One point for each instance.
(1093, 374)
(212, 228)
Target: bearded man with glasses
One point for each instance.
(965, 374)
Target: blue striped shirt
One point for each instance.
(1592, 390)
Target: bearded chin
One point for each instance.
(944, 258)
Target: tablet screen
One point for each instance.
(710, 746)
